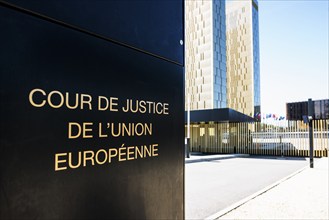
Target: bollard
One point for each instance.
(187, 147)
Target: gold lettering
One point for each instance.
(142, 106)
(113, 104)
(139, 125)
(70, 130)
(130, 152)
(50, 101)
(122, 153)
(139, 152)
(119, 130)
(149, 107)
(57, 161)
(91, 157)
(154, 150)
(86, 99)
(70, 160)
(31, 98)
(68, 103)
(85, 130)
(102, 156)
(111, 154)
(148, 151)
(166, 108)
(148, 128)
(131, 106)
(157, 110)
(105, 158)
(100, 131)
(127, 107)
(125, 129)
(100, 98)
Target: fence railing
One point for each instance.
(282, 138)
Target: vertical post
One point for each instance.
(310, 114)
(188, 128)
(281, 145)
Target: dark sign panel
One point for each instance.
(89, 129)
(153, 26)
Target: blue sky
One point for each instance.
(293, 52)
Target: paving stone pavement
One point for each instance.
(303, 195)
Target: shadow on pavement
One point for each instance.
(196, 157)
(276, 157)
(202, 157)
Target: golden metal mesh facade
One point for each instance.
(242, 57)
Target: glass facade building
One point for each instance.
(296, 110)
(205, 55)
(243, 71)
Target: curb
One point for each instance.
(258, 193)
